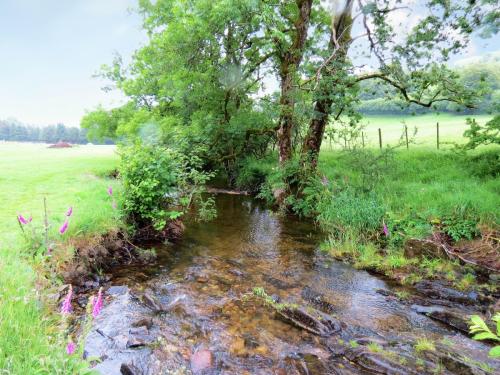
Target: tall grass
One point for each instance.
(432, 183)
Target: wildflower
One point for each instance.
(385, 230)
(70, 348)
(66, 306)
(64, 227)
(22, 220)
(97, 307)
(110, 191)
(69, 212)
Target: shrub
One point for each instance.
(149, 184)
(252, 174)
(485, 164)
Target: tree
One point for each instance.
(199, 85)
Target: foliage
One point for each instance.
(485, 164)
(345, 211)
(12, 130)
(482, 332)
(149, 181)
(252, 173)
(160, 185)
(482, 135)
(461, 223)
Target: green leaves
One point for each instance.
(482, 332)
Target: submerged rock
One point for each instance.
(457, 319)
(437, 290)
(201, 360)
(310, 320)
(114, 341)
(318, 300)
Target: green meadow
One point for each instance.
(451, 129)
(65, 177)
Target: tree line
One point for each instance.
(13, 130)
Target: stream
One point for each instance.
(193, 311)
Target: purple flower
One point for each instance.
(64, 227)
(96, 309)
(385, 230)
(110, 191)
(70, 348)
(66, 306)
(22, 220)
(69, 212)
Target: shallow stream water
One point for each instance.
(209, 275)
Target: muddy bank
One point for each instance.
(193, 310)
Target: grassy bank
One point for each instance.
(426, 181)
(414, 192)
(66, 177)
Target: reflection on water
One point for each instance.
(209, 272)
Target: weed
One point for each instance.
(353, 344)
(403, 294)
(466, 282)
(424, 345)
(374, 347)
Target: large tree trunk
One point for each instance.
(340, 39)
(289, 62)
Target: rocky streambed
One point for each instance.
(193, 310)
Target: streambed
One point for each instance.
(193, 310)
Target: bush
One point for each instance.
(348, 211)
(149, 181)
(252, 174)
(486, 164)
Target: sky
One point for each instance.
(51, 49)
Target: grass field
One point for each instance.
(451, 129)
(66, 177)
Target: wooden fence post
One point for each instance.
(406, 135)
(437, 135)
(380, 138)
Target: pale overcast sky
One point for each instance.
(49, 50)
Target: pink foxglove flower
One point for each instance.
(110, 191)
(66, 306)
(96, 309)
(22, 220)
(64, 227)
(69, 212)
(385, 230)
(70, 348)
